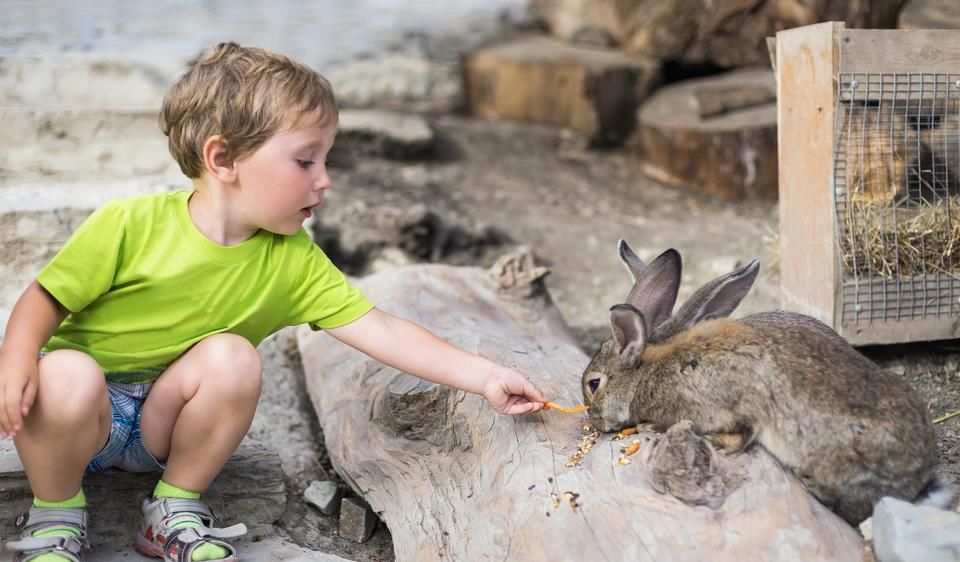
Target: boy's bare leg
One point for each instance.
(67, 426)
(200, 408)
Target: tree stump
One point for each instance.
(453, 480)
(929, 14)
(595, 92)
(716, 135)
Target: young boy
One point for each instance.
(146, 322)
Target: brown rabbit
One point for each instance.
(851, 431)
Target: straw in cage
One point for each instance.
(890, 242)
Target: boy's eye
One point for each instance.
(305, 163)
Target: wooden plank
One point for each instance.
(892, 50)
(806, 62)
(900, 331)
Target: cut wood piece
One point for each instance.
(732, 155)
(453, 480)
(535, 79)
(930, 14)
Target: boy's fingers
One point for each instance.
(5, 425)
(29, 395)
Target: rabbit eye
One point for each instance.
(593, 384)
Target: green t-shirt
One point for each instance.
(142, 285)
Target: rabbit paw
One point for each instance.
(687, 467)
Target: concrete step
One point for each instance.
(45, 143)
(85, 81)
(250, 490)
(37, 218)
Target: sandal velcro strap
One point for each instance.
(54, 543)
(73, 516)
(158, 538)
(192, 534)
(37, 519)
(169, 506)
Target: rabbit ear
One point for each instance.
(631, 260)
(655, 286)
(630, 332)
(718, 298)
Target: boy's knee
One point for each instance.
(235, 359)
(71, 382)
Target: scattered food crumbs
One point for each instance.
(624, 433)
(552, 406)
(586, 443)
(532, 486)
(570, 497)
(550, 479)
(548, 514)
(628, 450)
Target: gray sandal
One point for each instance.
(156, 538)
(29, 547)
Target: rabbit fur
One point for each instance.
(849, 430)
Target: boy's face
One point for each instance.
(286, 178)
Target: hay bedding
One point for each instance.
(890, 242)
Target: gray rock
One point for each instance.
(903, 532)
(357, 520)
(389, 134)
(285, 418)
(324, 495)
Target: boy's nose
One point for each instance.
(322, 183)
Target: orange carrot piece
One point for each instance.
(553, 406)
(627, 431)
(633, 448)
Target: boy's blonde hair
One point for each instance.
(244, 94)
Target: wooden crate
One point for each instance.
(813, 64)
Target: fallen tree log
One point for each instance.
(454, 480)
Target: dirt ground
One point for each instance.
(490, 187)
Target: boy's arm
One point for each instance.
(413, 349)
(33, 321)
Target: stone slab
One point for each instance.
(250, 489)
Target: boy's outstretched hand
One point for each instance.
(511, 393)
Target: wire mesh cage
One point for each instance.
(868, 125)
(896, 180)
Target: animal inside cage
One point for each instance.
(870, 180)
(896, 172)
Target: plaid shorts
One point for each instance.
(124, 448)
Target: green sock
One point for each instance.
(78, 500)
(203, 552)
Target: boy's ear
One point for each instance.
(216, 159)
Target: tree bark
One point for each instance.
(454, 480)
